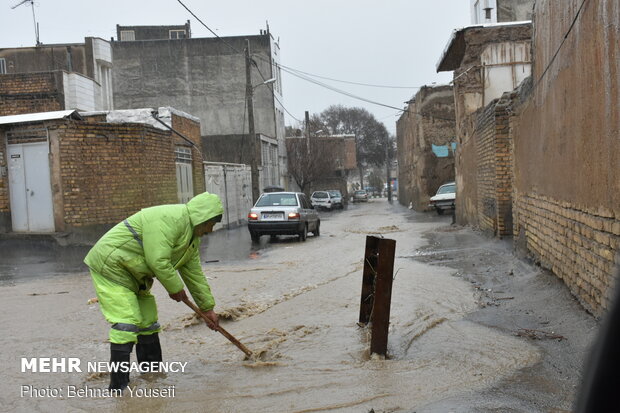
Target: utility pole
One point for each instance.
(387, 168)
(249, 91)
(308, 132)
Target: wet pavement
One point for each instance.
(459, 301)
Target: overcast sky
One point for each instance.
(389, 42)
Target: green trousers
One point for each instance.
(131, 314)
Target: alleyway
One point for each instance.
(472, 327)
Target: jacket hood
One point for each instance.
(203, 207)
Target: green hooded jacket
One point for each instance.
(168, 246)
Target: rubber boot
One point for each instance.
(148, 350)
(119, 353)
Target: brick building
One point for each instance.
(540, 162)
(65, 172)
(56, 77)
(207, 77)
(487, 61)
(426, 140)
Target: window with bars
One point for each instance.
(182, 154)
(178, 34)
(128, 35)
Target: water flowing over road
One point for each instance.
(295, 302)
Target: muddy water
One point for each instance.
(298, 306)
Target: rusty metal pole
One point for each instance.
(377, 290)
(383, 296)
(368, 278)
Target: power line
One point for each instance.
(346, 81)
(316, 82)
(208, 28)
(291, 72)
(240, 52)
(561, 43)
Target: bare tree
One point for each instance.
(309, 165)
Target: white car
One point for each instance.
(283, 213)
(322, 200)
(444, 198)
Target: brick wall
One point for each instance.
(494, 173)
(567, 151)
(576, 243)
(108, 172)
(31, 92)
(5, 217)
(191, 130)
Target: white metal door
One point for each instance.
(32, 209)
(185, 182)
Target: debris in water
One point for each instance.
(97, 375)
(185, 321)
(538, 334)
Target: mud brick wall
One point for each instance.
(494, 174)
(428, 120)
(567, 148)
(191, 130)
(576, 244)
(5, 205)
(110, 171)
(31, 92)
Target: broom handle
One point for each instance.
(219, 328)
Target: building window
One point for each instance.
(178, 34)
(182, 154)
(2, 65)
(128, 35)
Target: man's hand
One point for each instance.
(180, 296)
(213, 318)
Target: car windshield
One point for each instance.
(448, 189)
(360, 192)
(277, 200)
(320, 195)
(335, 193)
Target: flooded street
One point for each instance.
(298, 304)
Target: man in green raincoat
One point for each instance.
(160, 242)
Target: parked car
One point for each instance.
(360, 196)
(283, 213)
(322, 199)
(372, 191)
(336, 198)
(444, 198)
(273, 188)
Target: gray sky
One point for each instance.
(389, 42)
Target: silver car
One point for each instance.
(283, 213)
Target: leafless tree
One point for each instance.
(308, 165)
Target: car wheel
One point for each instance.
(303, 234)
(317, 230)
(255, 237)
(439, 211)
